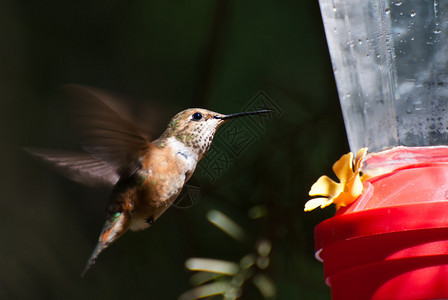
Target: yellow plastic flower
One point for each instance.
(343, 193)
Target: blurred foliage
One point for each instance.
(233, 285)
(177, 54)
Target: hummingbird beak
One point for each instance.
(242, 114)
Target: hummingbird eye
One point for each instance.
(196, 116)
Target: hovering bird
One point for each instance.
(147, 176)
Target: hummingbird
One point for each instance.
(147, 175)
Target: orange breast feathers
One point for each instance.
(164, 176)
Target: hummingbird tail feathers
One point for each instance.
(115, 227)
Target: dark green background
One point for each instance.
(177, 54)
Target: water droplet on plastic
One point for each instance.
(437, 30)
(418, 106)
(413, 13)
(387, 10)
(412, 38)
(398, 3)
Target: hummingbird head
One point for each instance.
(196, 127)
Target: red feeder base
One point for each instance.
(392, 242)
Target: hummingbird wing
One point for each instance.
(107, 135)
(78, 166)
(114, 227)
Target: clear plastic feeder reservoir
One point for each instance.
(390, 60)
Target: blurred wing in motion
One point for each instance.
(106, 134)
(77, 166)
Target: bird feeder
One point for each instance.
(390, 60)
